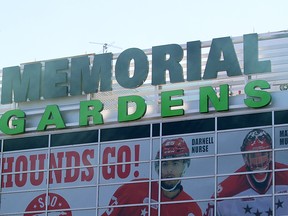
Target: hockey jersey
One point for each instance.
(138, 193)
(250, 204)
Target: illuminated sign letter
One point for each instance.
(17, 119)
(167, 57)
(141, 68)
(86, 80)
(167, 103)
(25, 87)
(194, 60)
(222, 57)
(102, 72)
(51, 116)
(258, 98)
(80, 76)
(123, 109)
(55, 79)
(220, 104)
(252, 65)
(90, 109)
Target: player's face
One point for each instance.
(259, 161)
(172, 169)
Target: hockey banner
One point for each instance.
(254, 173)
(138, 192)
(25, 178)
(54, 179)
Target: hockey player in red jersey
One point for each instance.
(137, 195)
(248, 186)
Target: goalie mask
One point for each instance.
(258, 141)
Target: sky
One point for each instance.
(36, 30)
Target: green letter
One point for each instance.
(220, 104)
(90, 109)
(140, 108)
(17, 119)
(259, 98)
(167, 103)
(51, 116)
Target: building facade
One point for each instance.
(74, 152)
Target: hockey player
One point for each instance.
(171, 189)
(258, 182)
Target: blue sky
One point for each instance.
(34, 30)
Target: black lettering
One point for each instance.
(284, 141)
(199, 149)
(283, 133)
(203, 141)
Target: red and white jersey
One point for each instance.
(241, 185)
(138, 193)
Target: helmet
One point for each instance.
(173, 148)
(257, 140)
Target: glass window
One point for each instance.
(24, 170)
(73, 138)
(26, 201)
(35, 142)
(242, 121)
(281, 137)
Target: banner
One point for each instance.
(87, 176)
